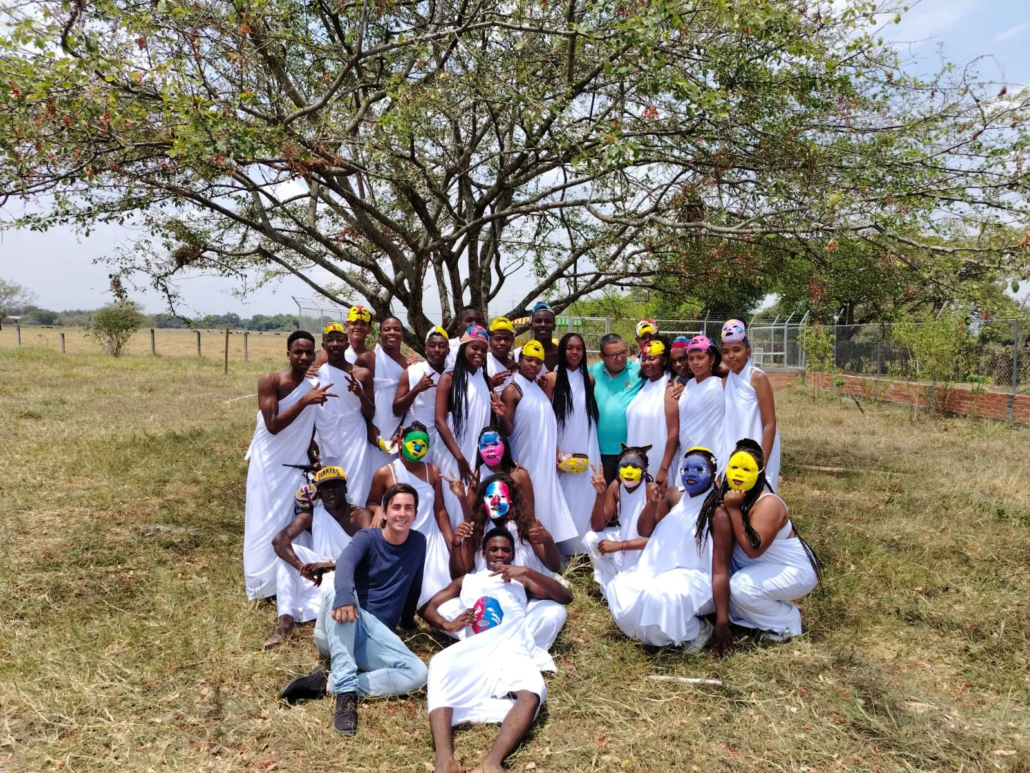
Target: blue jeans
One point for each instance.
(366, 645)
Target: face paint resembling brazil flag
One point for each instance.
(415, 445)
(742, 472)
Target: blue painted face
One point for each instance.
(696, 474)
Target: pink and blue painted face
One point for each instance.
(696, 474)
(497, 499)
(491, 448)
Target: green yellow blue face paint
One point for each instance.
(414, 446)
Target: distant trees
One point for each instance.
(12, 298)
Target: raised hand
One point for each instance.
(353, 385)
(456, 486)
(509, 572)
(733, 498)
(538, 533)
(461, 533)
(465, 619)
(499, 378)
(318, 395)
(424, 384)
(597, 480)
(497, 405)
(655, 492)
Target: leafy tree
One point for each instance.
(114, 325)
(942, 352)
(45, 317)
(406, 149)
(13, 297)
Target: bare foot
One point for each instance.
(284, 629)
(486, 767)
(447, 766)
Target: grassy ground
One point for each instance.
(128, 649)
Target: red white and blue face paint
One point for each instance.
(696, 474)
(497, 499)
(491, 448)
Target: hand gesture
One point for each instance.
(662, 478)
(353, 385)
(315, 570)
(607, 546)
(733, 498)
(456, 486)
(655, 492)
(721, 639)
(465, 619)
(348, 613)
(538, 533)
(509, 572)
(675, 387)
(305, 498)
(313, 457)
(424, 384)
(461, 533)
(464, 470)
(499, 378)
(318, 395)
(497, 405)
(597, 480)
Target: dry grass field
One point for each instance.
(124, 648)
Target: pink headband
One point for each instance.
(699, 344)
(733, 332)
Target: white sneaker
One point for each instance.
(773, 637)
(697, 644)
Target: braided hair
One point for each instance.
(562, 400)
(482, 522)
(457, 398)
(715, 497)
(507, 460)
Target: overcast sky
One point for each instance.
(59, 265)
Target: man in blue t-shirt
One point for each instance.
(616, 382)
(378, 582)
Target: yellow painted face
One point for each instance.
(630, 475)
(742, 473)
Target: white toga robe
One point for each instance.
(423, 407)
(388, 374)
(701, 409)
(579, 436)
(645, 422)
(743, 419)
(341, 434)
(478, 416)
(296, 596)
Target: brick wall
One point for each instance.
(990, 405)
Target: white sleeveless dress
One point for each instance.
(701, 408)
(534, 443)
(645, 422)
(630, 505)
(341, 434)
(743, 419)
(423, 407)
(762, 588)
(479, 415)
(475, 676)
(271, 488)
(436, 574)
(578, 436)
(388, 374)
(658, 601)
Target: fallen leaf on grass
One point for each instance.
(1004, 752)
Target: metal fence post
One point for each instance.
(198, 343)
(62, 343)
(246, 358)
(153, 344)
(1015, 369)
(17, 330)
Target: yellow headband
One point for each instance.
(533, 349)
(437, 331)
(654, 347)
(359, 313)
(502, 323)
(330, 473)
(333, 327)
(692, 449)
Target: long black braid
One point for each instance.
(457, 399)
(714, 500)
(562, 400)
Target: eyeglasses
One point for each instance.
(615, 355)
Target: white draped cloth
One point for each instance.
(743, 419)
(341, 434)
(629, 507)
(271, 488)
(423, 407)
(495, 366)
(534, 443)
(579, 436)
(701, 408)
(477, 417)
(762, 588)
(436, 574)
(657, 601)
(475, 676)
(645, 422)
(295, 596)
(388, 374)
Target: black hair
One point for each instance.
(499, 531)
(470, 307)
(517, 513)
(299, 335)
(714, 500)
(666, 354)
(399, 488)
(639, 452)
(457, 398)
(415, 426)
(716, 353)
(507, 460)
(387, 318)
(562, 399)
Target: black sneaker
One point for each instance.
(305, 688)
(345, 717)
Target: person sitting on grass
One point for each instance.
(493, 675)
(322, 526)
(378, 580)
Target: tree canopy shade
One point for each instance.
(422, 153)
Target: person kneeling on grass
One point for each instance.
(378, 579)
(493, 675)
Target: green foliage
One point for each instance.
(817, 344)
(114, 325)
(13, 298)
(942, 352)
